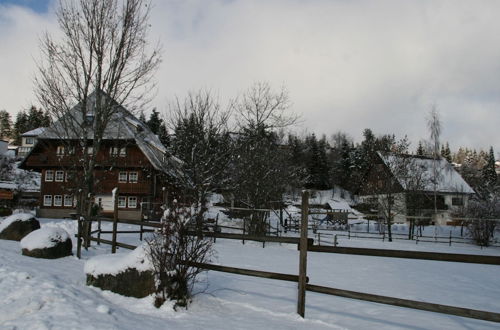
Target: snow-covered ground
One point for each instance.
(51, 294)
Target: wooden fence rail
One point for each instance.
(430, 307)
(453, 257)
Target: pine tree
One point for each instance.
(20, 126)
(420, 149)
(154, 121)
(142, 117)
(5, 125)
(163, 135)
(489, 173)
(447, 153)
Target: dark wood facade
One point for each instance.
(118, 165)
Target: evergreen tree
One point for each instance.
(489, 173)
(5, 125)
(446, 152)
(154, 121)
(317, 167)
(20, 126)
(142, 117)
(420, 149)
(163, 135)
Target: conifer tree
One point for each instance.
(5, 125)
(420, 149)
(154, 121)
(489, 173)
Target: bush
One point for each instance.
(174, 252)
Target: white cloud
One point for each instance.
(348, 65)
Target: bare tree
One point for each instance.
(434, 126)
(201, 140)
(260, 174)
(102, 61)
(174, 254)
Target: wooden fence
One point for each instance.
(305, 244)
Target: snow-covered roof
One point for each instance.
(448, 180)
(34, 132)
(339, 204)
(8, 185)
(123, 125)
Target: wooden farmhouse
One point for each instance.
(130, 158)
(407, 183)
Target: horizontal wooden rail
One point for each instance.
(453, 257)
(425, 306)
(105, 241)
(247, 272)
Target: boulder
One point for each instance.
(129, 282)
(129, 274)
(47, 243)
(18, 225)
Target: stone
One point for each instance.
(130, 282)
(15, 229)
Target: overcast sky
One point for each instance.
(348, 65)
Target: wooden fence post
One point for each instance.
(115, 220)
(301, 300)
(79, 237)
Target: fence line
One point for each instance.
(305, 244)
(425, 306)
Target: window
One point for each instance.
(30, 141)
(122, 177)
(457, 201)
(122, 202)
(90, 150)
(59, 176)
(60, 150)
(132, 202)
(117, 151)
(49, 175)
(57, 200)
(47, 200)
(68, 200)
(132, 177)
(71, 150)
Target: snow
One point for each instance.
(52, 294)
(45, 237)
(13, 218)
(116, 263)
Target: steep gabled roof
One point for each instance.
(34, 132)
(448, 180)
(123, 125)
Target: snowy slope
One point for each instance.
(51, 294)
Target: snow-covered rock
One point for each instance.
(48, 243)
(128, 274)
(18, 225)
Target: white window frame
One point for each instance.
(90, 150)
(57, 178)
(58, 200)
(120, 178)
(49, 178)
(133, 173)
(132, 202)
(123, 152)
(68, 200)
(47, 200)
(122, 202)
(60, 151)
(29, 141)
